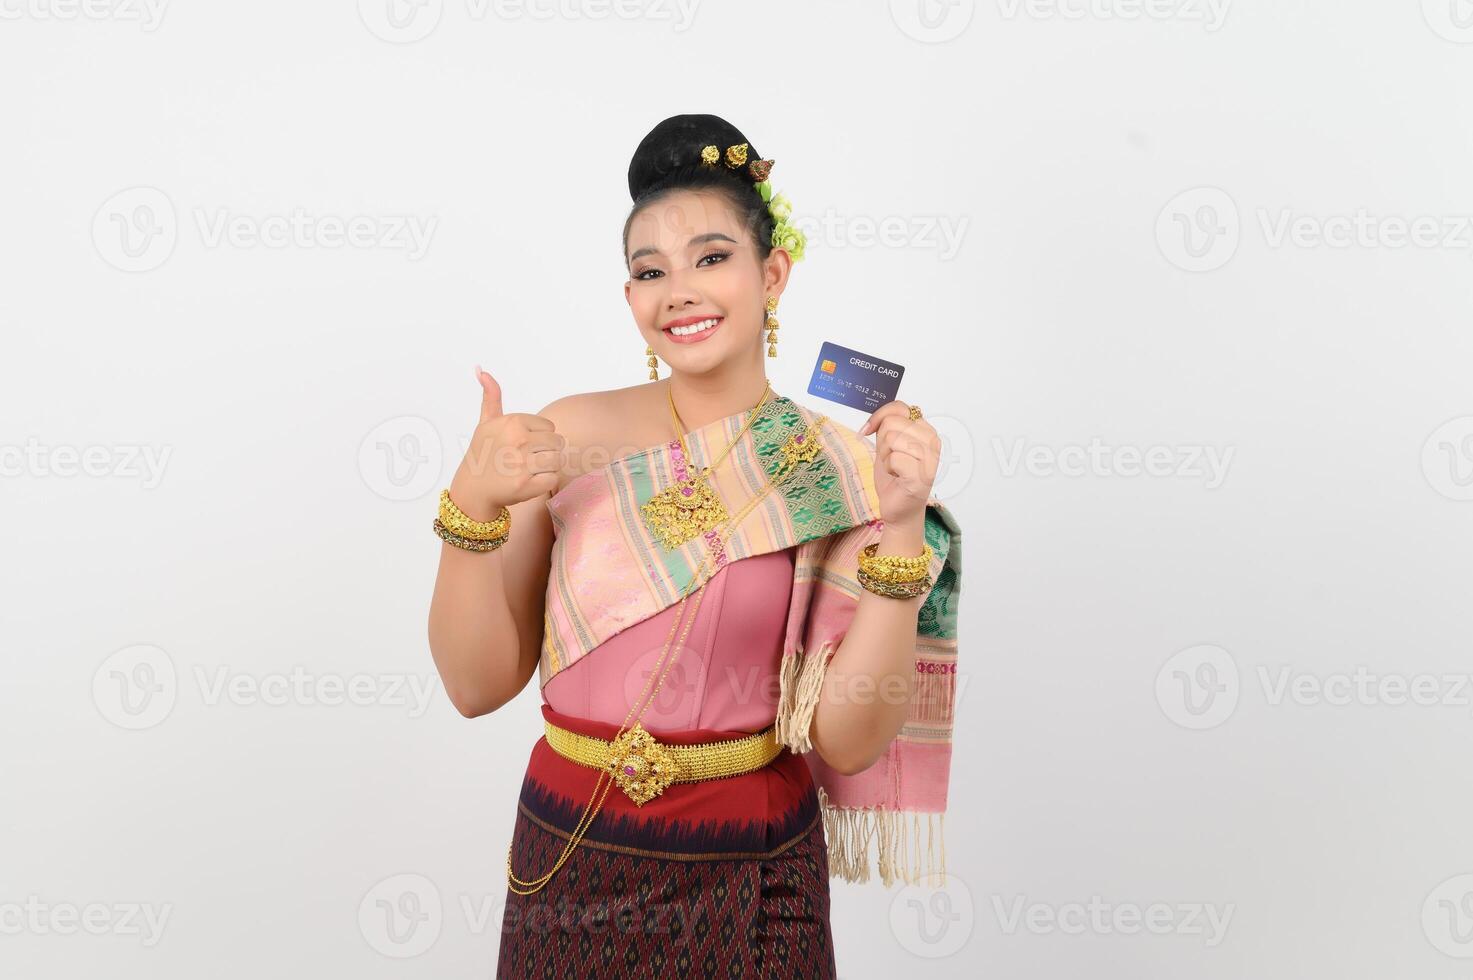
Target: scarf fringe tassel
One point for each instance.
(897, 834)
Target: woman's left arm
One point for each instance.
(871, 677)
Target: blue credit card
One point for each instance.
(848, 377)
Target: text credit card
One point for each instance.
(848, 377)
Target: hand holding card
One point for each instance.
(907, 454)
(905, 463)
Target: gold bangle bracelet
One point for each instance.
(895, 590)
(898, 562)
(467, 544)
(459, 523)
(895, 568)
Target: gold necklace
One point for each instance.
(799, 448)
(690, 507)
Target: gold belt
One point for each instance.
(642, 767)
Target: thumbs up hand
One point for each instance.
(512, 457)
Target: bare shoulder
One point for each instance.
(589, 412)
(570, 412)
(600, 426)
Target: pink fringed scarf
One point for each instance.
(609, 572)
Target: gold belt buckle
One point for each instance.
(640, 765)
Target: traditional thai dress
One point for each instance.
(727, 876)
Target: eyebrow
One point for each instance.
(710, 236)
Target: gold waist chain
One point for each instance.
(643, 767)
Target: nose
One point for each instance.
(681, 292)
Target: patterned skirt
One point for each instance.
(723, 878)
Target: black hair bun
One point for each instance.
(673, 148)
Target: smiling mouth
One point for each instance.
(694, 331)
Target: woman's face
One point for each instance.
(691, 259)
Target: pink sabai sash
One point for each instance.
(609, 572)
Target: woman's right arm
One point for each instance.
(485, 623)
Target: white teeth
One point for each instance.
(695, 327)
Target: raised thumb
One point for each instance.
(490, 395)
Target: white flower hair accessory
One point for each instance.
(785, 235)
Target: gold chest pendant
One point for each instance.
(683, 510)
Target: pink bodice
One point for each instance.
(725, 675)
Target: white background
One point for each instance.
(1152, 200)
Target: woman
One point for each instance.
(743, 617)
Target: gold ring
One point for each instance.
(915, 412)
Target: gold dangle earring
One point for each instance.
(772, 326)
(651, 352)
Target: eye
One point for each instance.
(644, 274)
